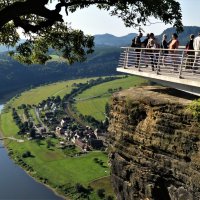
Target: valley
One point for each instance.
(51, 157)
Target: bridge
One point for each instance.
(178, 69)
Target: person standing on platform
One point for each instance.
(172, 50)
(152, 44)
(164, 45)
(196, 45)
(136, 43)
(145, 41)
(190, 54)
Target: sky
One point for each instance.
(93, 21)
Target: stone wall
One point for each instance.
(154, 145)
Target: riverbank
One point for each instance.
(16, 175)
(1, 107)
(21, 179)
(53, 166)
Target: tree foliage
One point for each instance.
(45, 28)
(194, 107)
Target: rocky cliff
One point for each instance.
(154, 145)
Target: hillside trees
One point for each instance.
(45, 28)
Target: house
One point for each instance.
(45, 107)
(53, 105)
(63, 122)
(97, 133)
(81, 144)
(41, 130)
(59, 130)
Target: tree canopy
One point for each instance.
(47, 29)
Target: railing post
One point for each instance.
(180, 70)
(140, 60)
(158, 64)
(126, 58)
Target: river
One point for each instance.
(15, 184)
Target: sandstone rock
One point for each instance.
(154, 145)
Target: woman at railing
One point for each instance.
(190, 54)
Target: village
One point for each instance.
(67, 129)
(54, 122)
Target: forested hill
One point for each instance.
(184, 36)
(111, 40)
(15, 76)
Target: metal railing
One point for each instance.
(179, 62)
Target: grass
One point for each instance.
(33, 115)
(59, 169)
(94, 107)
(93, 100)
(8, 126)
(57, 58)
(53, 164)
(105, 182)
(36, 95)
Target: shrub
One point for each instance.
(194, 107)
(110, 197)
(26, 154)
(101, 193)
(79, 188)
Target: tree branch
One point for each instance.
(36, 7)
(27, 26)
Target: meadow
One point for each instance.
(36, 95)
(93, 100)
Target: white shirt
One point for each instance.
(196, 44)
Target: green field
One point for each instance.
(57, 58)
(53, 165)
(8, 127)
(36, 95)
(93, 100)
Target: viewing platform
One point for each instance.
(178, 69)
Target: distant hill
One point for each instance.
(114, 41)
(111, 40)
(15, 76)
(184, 36)
(4, 48)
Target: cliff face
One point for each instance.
(154, 146)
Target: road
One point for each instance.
(41, 122)
(12, 138)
